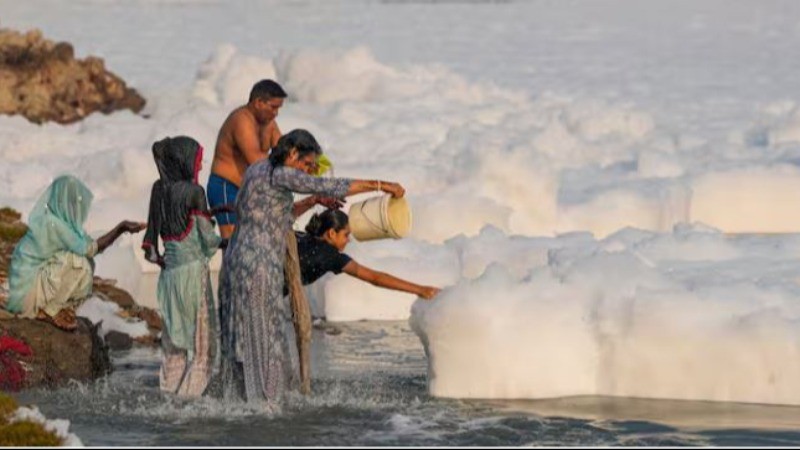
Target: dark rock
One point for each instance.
(328, 328)
(60, 356)
(11, 231)
(118, 341)
(152, 318)
(9, 215)
(106, 290)
(149, 340)
(101, 361)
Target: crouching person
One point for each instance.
(52, 267)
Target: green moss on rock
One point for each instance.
(27, 434)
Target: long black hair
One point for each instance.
(329, 219)
(298, 139)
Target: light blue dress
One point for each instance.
(185, 298)
(52, 264)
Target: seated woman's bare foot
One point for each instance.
(66, 320)
(63, 320)
(71, 313)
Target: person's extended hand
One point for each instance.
(129, 226)
(395, 189)
(329, 202)
(428, 292)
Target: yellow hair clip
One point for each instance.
(323, 165)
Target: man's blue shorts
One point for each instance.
(222, 192)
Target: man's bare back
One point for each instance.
(245, 137)
(241, 142)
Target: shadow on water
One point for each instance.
(687, 415)
(370, 389)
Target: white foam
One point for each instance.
(58, 426)
(601, 136)
(226, 77)
(98, 311)
(471, 154)
(527, 165)
(346, 298)
(748, 200)
(679, 315)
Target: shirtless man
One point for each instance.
(247, 136)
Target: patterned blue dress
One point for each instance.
(258, 342)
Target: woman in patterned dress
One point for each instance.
(256, 320)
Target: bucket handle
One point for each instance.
(366, 218)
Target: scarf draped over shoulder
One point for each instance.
(176, 197)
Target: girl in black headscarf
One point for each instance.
(179, 216)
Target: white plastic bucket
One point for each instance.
(380, 218)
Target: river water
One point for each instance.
(370, 389)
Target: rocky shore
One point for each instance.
(43, 81)
(58, 356)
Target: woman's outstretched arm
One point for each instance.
(126, 226)
(298, 181)
(387, 281)
(359, 186)
(301, 206)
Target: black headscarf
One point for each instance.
(176, 197)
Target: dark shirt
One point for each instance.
(317, 258)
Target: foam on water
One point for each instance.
(367, 392)
(488, 156)
(106, 313)
(519, 196)
(523, 164)
(690, 315)
(58, 426)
